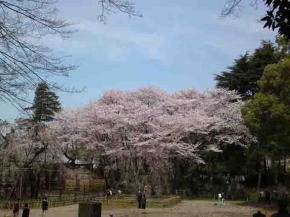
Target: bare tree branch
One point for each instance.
(24, 62)
(108, 7)
(231, 7)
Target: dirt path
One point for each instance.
(183, 209)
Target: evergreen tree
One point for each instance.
(235, 78)
(246, 71)
(45, 103)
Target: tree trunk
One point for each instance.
(37, 186)
(32, 185)
(259, 159)
(20, 187)
(174, 179)
(259, 179)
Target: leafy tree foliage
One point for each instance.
(246, 71)
(278, 16)
(46, 103)
(267, 114)
(283, 44)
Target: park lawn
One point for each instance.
(151, 202)
(186, 208)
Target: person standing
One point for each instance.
(219, 199)
(16, 208)
(144, 197)
(44, 206)
(119, 193)
(139, 199)
(26, 211)
(143, 205)
(223, 198)
(109, 195)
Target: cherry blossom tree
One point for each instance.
(137, 133)
(27, 150)
(131, 137)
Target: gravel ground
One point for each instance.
(188, 208)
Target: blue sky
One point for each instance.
(176, 44)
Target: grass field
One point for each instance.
(186, 208)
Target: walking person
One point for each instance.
(144, 197)
(139, 199)
(26, 211)
(16, 209)
(44, 204)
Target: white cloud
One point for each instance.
(172, 37)
(110, 43)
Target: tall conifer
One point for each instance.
(45, 104)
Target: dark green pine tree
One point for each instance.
(235, 78)
(246, 71)
(45, 104)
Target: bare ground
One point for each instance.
(188, 208)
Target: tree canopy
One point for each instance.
(278, 16)
(244, 74)
(267, 114)
(144, 129)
